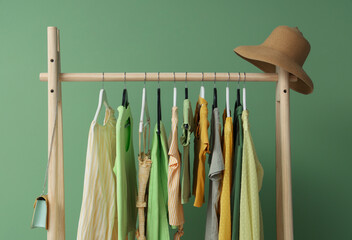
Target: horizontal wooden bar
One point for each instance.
(169, 76)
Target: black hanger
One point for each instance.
(238, 98)
(158, 110)
(125, 102)
(215, 98)
(186, 87)
(215, 95)
(238, 101)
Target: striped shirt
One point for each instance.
(176, 217)
(98, 211)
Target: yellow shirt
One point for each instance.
(201, 147)
(251, 224)
(225, 197)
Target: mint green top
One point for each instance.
(157, 220)
(125, 171)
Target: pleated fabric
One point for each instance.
(176, 217)
(225, 197)
(98, 211)
(251, 221)
(157, 219)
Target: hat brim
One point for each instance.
(266, 59)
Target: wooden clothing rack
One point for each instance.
(56, 193)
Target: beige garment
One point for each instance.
(143, 177)
(98, 219)
(176, 217)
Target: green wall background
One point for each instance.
(138, 36)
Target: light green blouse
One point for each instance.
(125, 171)
(157, 220)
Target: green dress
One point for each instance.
(236, 190)
(125, 171)
(157, 220)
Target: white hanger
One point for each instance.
(244, 93)
(144, 108)
(228, 97)
(201, 94)
(102, 99)
(175, 92)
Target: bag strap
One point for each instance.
(50, 150)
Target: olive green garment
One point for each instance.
(237, 170)
(126, 179)
(251, 221)
(216, 169)
(187, 129)
(157, 220)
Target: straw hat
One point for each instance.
(285, 47)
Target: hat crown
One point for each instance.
(290, 42)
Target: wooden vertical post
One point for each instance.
(279, 220)
(283, 158)
(56, 196)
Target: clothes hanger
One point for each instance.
(186, 97)
(244, 93)
(125, 102)
(215, 95)
(228, 97)
(102, 100)
(144, 108)
(144, 126)
(201, 94)
(175, 91)
(238, 100)
(158, 105)
(186, 87)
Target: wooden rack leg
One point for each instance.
(279, 220)
(56, 197)
(283, 161)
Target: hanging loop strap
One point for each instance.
(159, 79)
(228, 79)
(174, 79)
(102, 82)
(238, 82)
(186, 85)
(214, 79)
(244, 80)
(124, 79)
